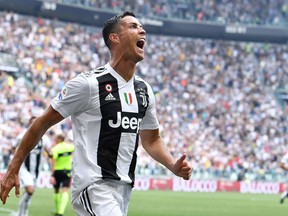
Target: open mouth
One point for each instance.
(140, 43)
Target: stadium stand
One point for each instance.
(267, 12)
(215, 98)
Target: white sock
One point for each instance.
(24, 204)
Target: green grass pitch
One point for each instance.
(168, 203)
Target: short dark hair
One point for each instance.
(111, 24)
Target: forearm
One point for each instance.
(34, 133)
(156, 148)
(27, 143)
(159, 152)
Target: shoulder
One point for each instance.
(139, 80)
(83, 81)
(142, 84)
(95, 72)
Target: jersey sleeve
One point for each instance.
(150, 121)
(73, 98)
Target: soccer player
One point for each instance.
(110, 108)
(61, 165)
(284, 166)
(30, 169)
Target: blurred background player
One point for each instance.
(30, 169)
(284, 166)
(61, 165)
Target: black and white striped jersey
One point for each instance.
(107, 113)
(33, 160)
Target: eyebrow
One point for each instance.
(135, 23)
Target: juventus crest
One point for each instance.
(143, 95)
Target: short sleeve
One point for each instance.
(73, 98)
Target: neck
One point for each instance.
(124, 67)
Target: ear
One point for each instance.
(113, 37)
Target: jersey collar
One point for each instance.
(117, 75)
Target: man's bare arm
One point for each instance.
(156, 148)
(32, 136)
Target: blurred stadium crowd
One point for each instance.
(264, 12)
(215, 98)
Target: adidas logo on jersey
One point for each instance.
(110, 97)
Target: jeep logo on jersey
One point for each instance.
(129, 124)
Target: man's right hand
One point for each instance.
(9, 181)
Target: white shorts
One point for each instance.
(103, 198)
(26, 178)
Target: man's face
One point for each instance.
(132, 38)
